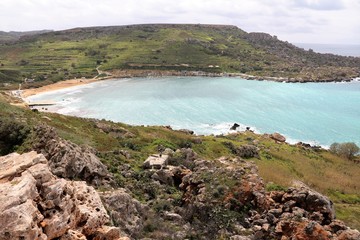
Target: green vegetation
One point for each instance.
(12, 134)
(124, 153)
(347, 150)
(75, 53)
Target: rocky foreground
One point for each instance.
(63, 191)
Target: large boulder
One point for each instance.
(310, 200)
(277, 137)
(125, 212)
(114, 131)
(299, 213)
(68, 160)
(35, 204)
(156, 161)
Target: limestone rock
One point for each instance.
(14, 163)
(116, 132)
(156, 161)
(278, 137)
(19, 215)
(69, 160)
(238, 237)
(349, 234)
(247, 151)
(310, 200)
(164, 176)
(243, 151)
(125, 212)
(35, 204)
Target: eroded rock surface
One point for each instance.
(35, 204)
(126, 213)
(226, 197)
(299, 213)
(277, 137)
(68, 160)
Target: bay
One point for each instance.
(317, 113)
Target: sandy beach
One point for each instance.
(56, 86)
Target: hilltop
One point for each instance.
(12, 36)
(163, 49)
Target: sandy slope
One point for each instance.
(56, 86)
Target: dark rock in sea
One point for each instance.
(235, 126)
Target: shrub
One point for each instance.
(244, 151)
(275, 187)
(12, 134)
(347, 150)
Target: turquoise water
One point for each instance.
(318, 113)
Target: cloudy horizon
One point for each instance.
(296, 21)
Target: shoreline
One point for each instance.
(56, 86)
(78, 82)
(154, 73)
(129, 73)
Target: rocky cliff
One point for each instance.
(63, 191)
(68, 160)
(38, 205)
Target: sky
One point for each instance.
(296, 21)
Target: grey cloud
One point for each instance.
(292, 20)
(322, 5)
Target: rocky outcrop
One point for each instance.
(126, 213)
(114, 131)
(243, 151)
(277, 137)
(68, 160)
(35, 204)
(186, 131)
(299, 213)
(226, 197)
(156, 161)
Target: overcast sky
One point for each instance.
(296, 21)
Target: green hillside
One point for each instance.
(54, 56)
(121, 146)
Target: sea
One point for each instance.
(339, 49)
(315, 113)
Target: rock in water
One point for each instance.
(35, 204)
(235, 126)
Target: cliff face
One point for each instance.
(225, 198)
(38, 205)
(68, 160)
